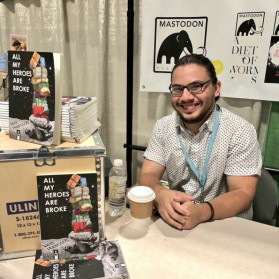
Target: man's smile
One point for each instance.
(189, 107)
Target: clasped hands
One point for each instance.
(178, 209)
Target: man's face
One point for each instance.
(194, 110)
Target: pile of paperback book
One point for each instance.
(79, 118)
(4, 116)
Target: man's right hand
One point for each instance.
(169, 207)
(169, 202)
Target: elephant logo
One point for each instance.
(248, 27)
(174, 45)
(176, 37)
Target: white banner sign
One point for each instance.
(241, 38)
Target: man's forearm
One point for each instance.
(231, 203)
(150, 180)
(223, 206)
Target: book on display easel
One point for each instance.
(34, 97)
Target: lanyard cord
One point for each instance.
(202, 178)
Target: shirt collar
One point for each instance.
(209, 123)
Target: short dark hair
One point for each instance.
(198, 59)
(201, 60)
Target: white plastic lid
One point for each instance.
(117, 162)
(141, 194)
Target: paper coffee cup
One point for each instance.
(141, 201)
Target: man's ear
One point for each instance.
(217, 88)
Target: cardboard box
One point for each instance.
(20, 163)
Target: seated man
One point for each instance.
(211, 156)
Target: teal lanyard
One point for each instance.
(202, 178)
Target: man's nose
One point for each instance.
(187, 94)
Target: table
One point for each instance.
(230, 248)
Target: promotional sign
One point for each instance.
(241, 38)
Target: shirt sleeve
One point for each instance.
(244, 154)
(156, 148)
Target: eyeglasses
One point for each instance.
(194, 88)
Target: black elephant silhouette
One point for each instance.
(247, 26)
(277, 30)
(173, 46)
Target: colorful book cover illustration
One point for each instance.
(34, 102)
(106, 262)
(69, 215)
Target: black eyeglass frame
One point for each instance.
(187, 87)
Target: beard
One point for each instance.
(194, 120)
(204, 114)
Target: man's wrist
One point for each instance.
(209, 206)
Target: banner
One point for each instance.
(241, 38)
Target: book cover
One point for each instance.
(107, 262)
(34, 97)
(272, 67)
(19, 42)
(69, 215)
(78, 102)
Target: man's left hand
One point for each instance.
(198, 213)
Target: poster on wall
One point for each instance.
(172, 40)
(272, 67)
(241, 38)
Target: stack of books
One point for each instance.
(4, 116)
(79, 118)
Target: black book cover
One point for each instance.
(34, 98)
(272, 68)
(107, 262)
(69, 215)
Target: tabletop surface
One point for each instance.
(229, 248)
